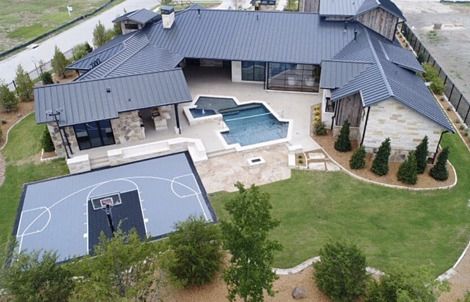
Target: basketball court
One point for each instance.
(68, 214)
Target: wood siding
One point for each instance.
(380, 21)
(349, 109)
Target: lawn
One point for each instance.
(23, 144)
(393, 227)
(23, 20)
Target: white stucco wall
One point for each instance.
(236, 71)
(405, 127)
(326, 116)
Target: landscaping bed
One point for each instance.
(7, 119)
(424, 180)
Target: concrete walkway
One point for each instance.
(67, 39)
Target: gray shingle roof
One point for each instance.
(87, 101)
(385, 79)
(141, 16)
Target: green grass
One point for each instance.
(393, 227)
(24, 142)
(23, 20)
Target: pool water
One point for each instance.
(200, 112)
(252, 124)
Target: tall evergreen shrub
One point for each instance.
(380, 163)
(439, 171)
(343, 144)
(407, 173)
(421, 154)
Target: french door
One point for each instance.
(94, 134)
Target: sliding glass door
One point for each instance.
(94, 134)
(294, 77)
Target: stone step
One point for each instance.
(315, 156)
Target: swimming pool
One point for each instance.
(207, 106)
(252, 124)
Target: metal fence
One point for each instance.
(453, 93)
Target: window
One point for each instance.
(94, 134)
(253, 71)
(294, 77)
(330, 105)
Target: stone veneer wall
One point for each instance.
(405, 127)
(57, 140)
(127, 128)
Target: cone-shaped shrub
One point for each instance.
(358, 159)
(380, 163)
(422, 155)
(439, 171)
(407, 172)
(343, 144)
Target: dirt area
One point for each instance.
(424, 180)
(8, 119)
(451, 44)
(217, 290)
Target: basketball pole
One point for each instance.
(110, 219)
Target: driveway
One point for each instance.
(67, 39)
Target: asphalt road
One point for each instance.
(67, 40)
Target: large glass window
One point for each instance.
(294, 77)
(94, 134)
(253, 71)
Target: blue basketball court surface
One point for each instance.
(68, 214)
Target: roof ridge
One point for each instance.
(347, 61)
(379, 64)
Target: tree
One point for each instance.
(36, 277)
(8, 99)
(46, 78)
(59, 63)
(439, 171)
(422, 155)
(46, 141)
(419, 286)
(341, 273)
(407, 172)
(117, 29)
(101, 36)
(358, 159)
(124, 267)
(343, 144)
(195, 252)
(81, 50)
(246, 237)
(24, 85)
(380, 163)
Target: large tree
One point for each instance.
(101, 36)
(8, 99)
(246, 237)
(123, 268)
(341, 273)
(422, 155)
(59, 63)
(380, 163)
(24, 85)
(36, 277)
(195, 254)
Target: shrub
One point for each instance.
(319, 128)
(80, 51)
(341, 273)
(437, 85)
(439, 171)
(8, 99)
(343, 144)
(24, 85)
(101, 36)
(46, 78)
(429, 72)
(380, 163)
(358, 159)
(59, 63)
(420, 58)
(407, 172)
(196, 254)
(421, 154)
(46, 141)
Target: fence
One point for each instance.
(454, 95)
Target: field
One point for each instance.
(23, 20)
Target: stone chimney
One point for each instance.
(168, 16)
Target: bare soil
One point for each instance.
(217, 290)
(424, 180)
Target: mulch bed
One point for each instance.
(424, 180)
(7, 119)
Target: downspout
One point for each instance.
(365, 126)
(438, 144)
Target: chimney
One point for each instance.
(168, 16)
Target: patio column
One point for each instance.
(177, 115)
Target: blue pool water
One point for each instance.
(199, 112)
(252, 124)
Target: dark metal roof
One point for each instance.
(385, 79)
(141, 16)
(336, 74)
(402, 57)
(86, 101)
